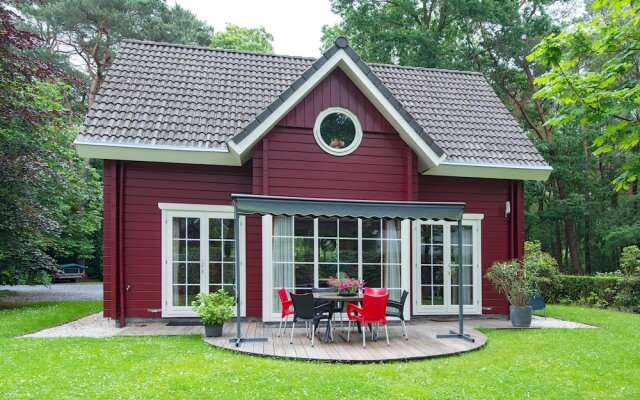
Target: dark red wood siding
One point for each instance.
(289, 162)
(146, 185)
(488, 197)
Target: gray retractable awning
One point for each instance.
(247, 204)
(276, 205)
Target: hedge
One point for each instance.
(622, 292)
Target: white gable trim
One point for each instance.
(343, 61)
(491, 171)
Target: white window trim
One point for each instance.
(267, 268)
(475, 220)
(204, 212)
(318, 136)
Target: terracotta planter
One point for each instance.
(213, 330)
(520, 316)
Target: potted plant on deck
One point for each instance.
(214, 309)
(512, 279)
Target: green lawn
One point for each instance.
(562, 364)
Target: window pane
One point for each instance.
(467, 255)
(192, 292)
(391, 229)
(467, 292)
(179, 250)
(348, 251)
(215, 250)
(327, 251)
(179, 295)
(466, 276)
(179, 228)
(229, 251)
(228, 272)
(337, 130)
(303, 227)
(391, 252)
(349, 270)
(327, 227)
(304, 275)
(438, 295)
(467, 235)
(303, 250)
(371, 276)
(325, 271)
(371, 228)
(438, 275)
(425, 275)
(371, 251)
(193, 273)
(193, 228)
(179, 273)
(348, 228)
(215, 228)
(215, 273)
(227, 229)
(391, 275)
(193, 250)
(283, 249)
(426, 296)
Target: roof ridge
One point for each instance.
(455, 71)
(190, 46)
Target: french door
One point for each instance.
(198, 254)
(435, 282)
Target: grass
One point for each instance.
(4, 293)
(549, 364)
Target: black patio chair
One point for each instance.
(305, 309)
(338, 306)
(396, 309)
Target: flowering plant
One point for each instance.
(346, 284)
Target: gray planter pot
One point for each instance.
(213, 330)
(520, 316)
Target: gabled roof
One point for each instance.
(206, 102)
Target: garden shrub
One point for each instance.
(543, 269)
(602, 291)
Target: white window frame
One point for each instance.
(267, 268)
(204, 212)
(473, 220)
(356, 123)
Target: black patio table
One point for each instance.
(336, 298)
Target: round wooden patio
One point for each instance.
(422, 342)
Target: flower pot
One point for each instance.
(213, 330)
(520, 316)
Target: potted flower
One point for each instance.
(511, 278)
(214, 309)
(345, 286)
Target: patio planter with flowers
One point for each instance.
(346, 286)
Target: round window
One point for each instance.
(337, 131)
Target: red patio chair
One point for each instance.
(376, 291)
(286, 309)
(373, 311)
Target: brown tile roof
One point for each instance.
(162, 94)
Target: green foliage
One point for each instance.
(603, 291)
(541, 268)
(630, 260)
(593, 78)
(244, 39)
(214, 308)
(510, 278)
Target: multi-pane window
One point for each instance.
(307, 251)
(467, 264)
(186, 260)
(432, 264)
(221, 255)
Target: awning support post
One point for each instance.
(236, 230)
(460, 334)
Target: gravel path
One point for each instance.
(94, 325)
(55, 291)
(547, 322)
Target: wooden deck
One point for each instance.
(422, 342)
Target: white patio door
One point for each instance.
(198, 255)
(435, 286)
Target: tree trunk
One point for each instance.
(558, 244)
(570, 229)
(96, 82)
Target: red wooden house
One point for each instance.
(182, 128)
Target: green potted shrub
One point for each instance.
(511, 278)
(214, 309)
